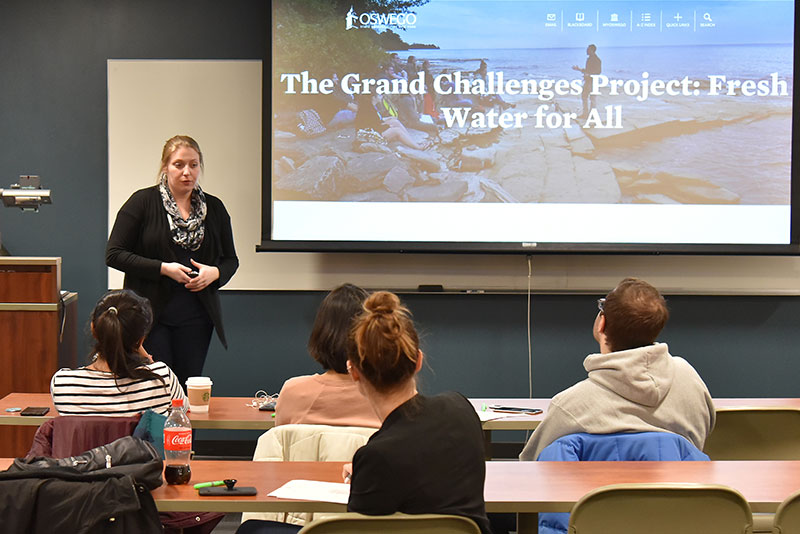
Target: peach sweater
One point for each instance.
(324, 399)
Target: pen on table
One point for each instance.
(209, 484)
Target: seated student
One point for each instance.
(427, 456)
(634, 383)
(376, 122)
(122, 379)
(330, 398)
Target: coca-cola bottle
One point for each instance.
(177, 445)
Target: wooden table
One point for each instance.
(237, 413)
(530, 422)
(527, 488)
(223, 412)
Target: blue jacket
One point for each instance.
(638, 446)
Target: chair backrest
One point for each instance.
(311, 443)
(306, 443)
(787, 518)
(392, 524)
(755, 434)
(662, 509)
(621, 446)
(65, 436)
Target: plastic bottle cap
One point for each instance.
(177, 402)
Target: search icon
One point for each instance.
(707, 16)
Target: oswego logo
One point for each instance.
(379, 20)
(177, 440)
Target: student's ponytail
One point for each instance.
(121, 319)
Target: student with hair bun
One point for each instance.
(427, 457)
(122, 379)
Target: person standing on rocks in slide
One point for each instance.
(593, 67)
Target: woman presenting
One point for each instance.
(175, 245)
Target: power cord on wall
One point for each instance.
(530, 327)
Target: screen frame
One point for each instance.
(457, 247)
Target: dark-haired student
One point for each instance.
(122, 379)
(427, 457)
(634, 384)
(331, 397)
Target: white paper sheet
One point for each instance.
(489, 415)
(314, 490)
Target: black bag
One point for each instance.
(41, 496)
(125, 456)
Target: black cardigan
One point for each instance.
(140, 242)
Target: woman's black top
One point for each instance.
(427, 458)
(140, 241)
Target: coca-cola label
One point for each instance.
(177, 439)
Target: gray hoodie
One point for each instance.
(638, 390)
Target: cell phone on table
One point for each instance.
(225, 492)
(515, 409)
(35, 411)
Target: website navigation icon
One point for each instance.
(674, 19)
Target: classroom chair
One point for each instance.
(758, 433)
(392, 524)
(65, 436)
(306, 443)
(787, 518)
(617, 447)
(755, 434)
(662, 509)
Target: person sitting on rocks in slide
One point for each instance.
(372, 127)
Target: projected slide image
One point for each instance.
(536, 102)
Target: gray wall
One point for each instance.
(741, 346)
(53, 116)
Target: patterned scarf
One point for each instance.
(187, 233)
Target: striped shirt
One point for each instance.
(84, 391)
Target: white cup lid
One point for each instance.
(198, 381)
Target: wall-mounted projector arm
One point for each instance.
(26, 195)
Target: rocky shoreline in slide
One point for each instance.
(576, 164)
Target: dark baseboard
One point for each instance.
(502, 450)
(221, 449)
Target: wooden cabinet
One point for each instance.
(38, 334)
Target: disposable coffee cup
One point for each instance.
(198, 388)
